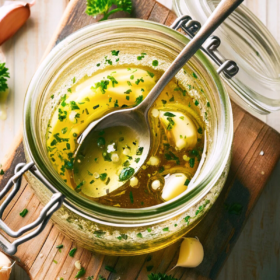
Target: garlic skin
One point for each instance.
(13, 15)
(191, 253)
(5, 267)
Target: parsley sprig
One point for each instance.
(96, 7)
(4, 74)
(160, 276)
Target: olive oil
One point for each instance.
(110, 169)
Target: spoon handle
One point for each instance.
(223, 10)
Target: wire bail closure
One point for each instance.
(210, 47)
(41, 222)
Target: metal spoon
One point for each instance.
(137, 118)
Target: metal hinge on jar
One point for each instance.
(191, 27)
(40, 223)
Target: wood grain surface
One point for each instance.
(219, 230)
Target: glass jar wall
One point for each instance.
(109, 229)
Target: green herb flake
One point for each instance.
(122, 236)
(2, 172)
(151, 74)
(166, 229)
(101, 142)
(160, 276)
(187, 219)
(161, 169)
(126, 173)
(168, 114)
(196, 103)
(194, 75)
(155, 63)
(137, 82)
(139, 99)
(80, 273)
(149, 230)
(64, 130)
(73, 252)
(172, 99)
(103, 176)
(113, 80)
(23, 213)
(128, 91)
(131, 197)
(74, 106)
(199, 130)
(139, 235)
(59, 246)
(55, 261)
(139, 151)
(109, 268)
(115, 53)
(187, 182)
(191, 162)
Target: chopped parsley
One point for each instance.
(191, 162)
(139, 151)
(126, 173)
(196, 103)
(128, 91)
(168, 114)
(109, 268)
(139, 99)
(2, 172)
(64, 130)
(103, 176)
(151, 74)
(131, 197)
(183, 91)
(72, 252)
(139, 80)
(113, 80)
(80, 273)
(187, 182)
(155, 63)
(194, 75)
(23, 213)
(199, 130)
(115, 53)
(102, 85)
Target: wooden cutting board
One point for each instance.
(220, 228)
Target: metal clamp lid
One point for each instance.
(41, 222)
(191, 27)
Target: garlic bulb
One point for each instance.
(5, 267)
(13, 15)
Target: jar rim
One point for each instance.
(80, 204)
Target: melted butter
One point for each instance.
(97, 175)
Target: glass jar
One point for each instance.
(256, 87)
(112, 230)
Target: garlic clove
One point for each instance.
(174, 186)
(5, 267)
(191, 253)
(13, 15)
